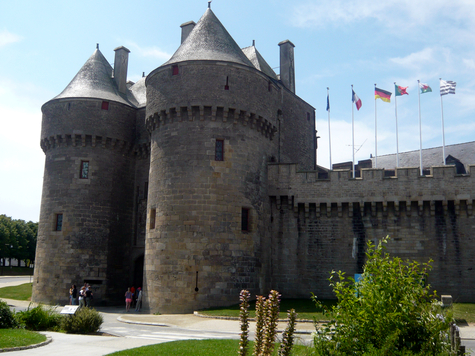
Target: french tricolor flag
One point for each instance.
(356, 100)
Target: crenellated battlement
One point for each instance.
(83, 140)
(212, 113)
(407, 191)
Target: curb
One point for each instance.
(140, 322)
(34, 346)
(254, 319)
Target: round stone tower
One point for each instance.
(211, 139)
(86, 209)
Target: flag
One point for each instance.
(425, 88)
(328, 102)
(400, 90)
(447, 87)
(356, 100)
(382, 94)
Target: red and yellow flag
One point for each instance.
(382, 94)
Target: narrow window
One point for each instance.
(59, 222)
(269, 86)
(245, 219)
(219, 150)
(84, 173)
(145, 190)
(226, 87)
(69, 106)
(153, 213)
(308, 116)
(175, 70)
(105, 105)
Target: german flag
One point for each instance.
(382, 94)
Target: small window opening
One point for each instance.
(105, 105)
(226, 87)
(175, 70)
(269, 86)
(153, 213)
(219, 150)
(69, 106)
(59, 222)
(308, 116)
(84, 173)
(245, 219)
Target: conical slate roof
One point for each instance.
(258, 61)
(94, 80)
(137, 93)
(209, 40)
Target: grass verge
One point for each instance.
(463, 312)
(21, 292)
(16, 271)
(200, 348)
(305, 309)
(19, 337)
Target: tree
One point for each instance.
(17, 239)
(390, 311)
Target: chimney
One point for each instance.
(287, 68)
(186, 28)
(121, 62)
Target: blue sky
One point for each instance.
(338, 43)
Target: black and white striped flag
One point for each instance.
(447, 87)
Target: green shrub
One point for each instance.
(85, 321)
(388, 312)
(39, 318)
(7, 317)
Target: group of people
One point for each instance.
(133, 297)
(83, 297)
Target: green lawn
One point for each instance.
(463, 312)
(19, 337)
(200, 348)
(305, 309)
(21, 292)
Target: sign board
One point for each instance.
(70, 309)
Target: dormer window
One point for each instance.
(175, 70)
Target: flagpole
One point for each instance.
(443, 133)
(420, 127)
(375, 133)
(397, 139)
(353, 131)
(329, 131)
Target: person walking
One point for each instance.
(74, 296)
(81, 297)
(139, 299)
(128, 299)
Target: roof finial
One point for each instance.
(209, 4)
(143, 74)
(97, 45)
(253, 43)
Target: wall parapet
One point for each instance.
(212, 113)
(83, 140)
(407, 188)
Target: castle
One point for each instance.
(200, 180)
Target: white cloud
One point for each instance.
(400, 15)
(7, 38)
(417, 59)
(151, 52)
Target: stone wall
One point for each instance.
(324, 225)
